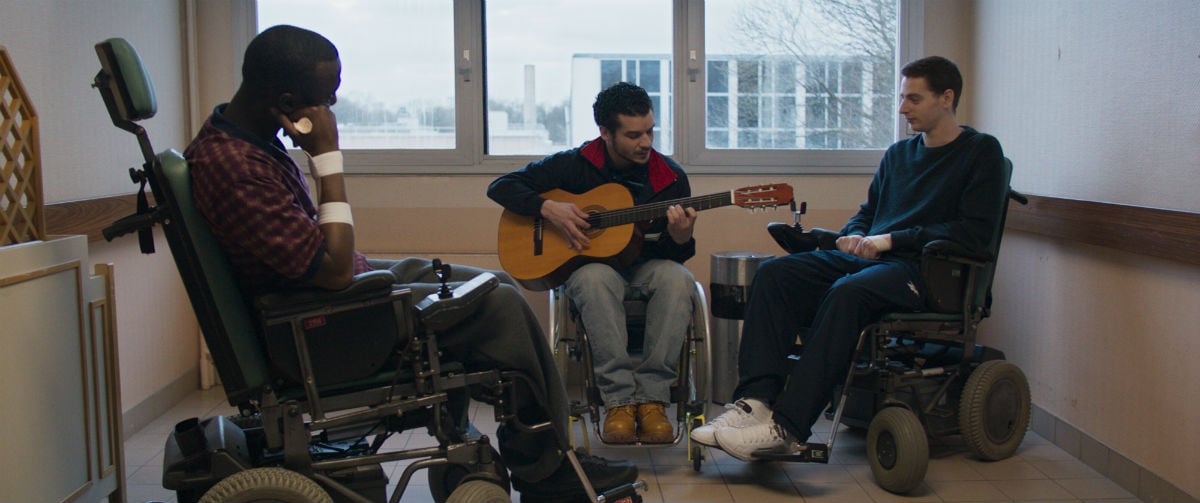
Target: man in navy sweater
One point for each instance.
(944, 183)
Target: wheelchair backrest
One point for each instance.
(221, 310)
(984, 287)
(224, 315)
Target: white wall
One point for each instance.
(84, 156)
(1099, 100)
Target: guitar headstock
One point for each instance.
(763, 196)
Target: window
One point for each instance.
(469, 86)
(767, 57)
(397, 67)
(546, 61)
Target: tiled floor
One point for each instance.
(1039, 472)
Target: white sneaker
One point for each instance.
(739, 414)
(746, 443)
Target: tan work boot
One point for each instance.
(619, 425)
(653, 425)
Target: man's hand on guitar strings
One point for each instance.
(680, 223)
(569, 221)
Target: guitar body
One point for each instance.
(539, 258)
(545, 266)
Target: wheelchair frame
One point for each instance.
(301, 431)
(690, 393)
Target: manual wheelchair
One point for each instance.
(689, 394)
(921, 375)
(321, 379)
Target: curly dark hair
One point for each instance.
(620, 98)
(285, 57)
(940, 73)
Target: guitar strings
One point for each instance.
(648, 211)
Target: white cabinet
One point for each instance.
(60, 409)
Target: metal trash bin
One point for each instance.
(729, 283)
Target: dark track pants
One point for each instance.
(831, 294)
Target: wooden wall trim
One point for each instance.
(1169, 234)
(88, 216)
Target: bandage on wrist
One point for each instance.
(334, 213)
(881, 242)
(329, 163)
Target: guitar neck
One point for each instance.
(650, 211)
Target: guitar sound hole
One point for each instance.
(593, 209)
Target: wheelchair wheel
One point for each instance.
(479, 491)
(994, 411)
(695, 450)
(897, 450)
(562, 360)
(446, 480)
(266, 484)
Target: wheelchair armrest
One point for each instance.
(826, 239)
(949, 250)
(366, 285)
(439, 314)
(793, 240)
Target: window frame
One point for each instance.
(688, 64)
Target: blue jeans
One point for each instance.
(598, 291)
(832, 294)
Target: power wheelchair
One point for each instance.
(689, 394)
(321, 379)
(918, 376)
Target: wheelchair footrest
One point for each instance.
(625, 493)
(811, 453)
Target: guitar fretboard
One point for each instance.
(650, 211)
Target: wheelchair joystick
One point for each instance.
(796, 214)
(442, 271)
(792, 238)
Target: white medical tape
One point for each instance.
(334, 213)
(329, 163)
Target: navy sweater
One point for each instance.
(584, 168)
(921, 194)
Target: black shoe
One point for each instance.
(564, 486)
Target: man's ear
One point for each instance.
(947, 98)
(287, 103)
(605, 134)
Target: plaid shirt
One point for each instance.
(257, 205)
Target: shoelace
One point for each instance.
(726, 418)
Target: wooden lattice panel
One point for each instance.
(21, 217)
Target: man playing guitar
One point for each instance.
(634, 398)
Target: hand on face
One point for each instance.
(323, 136)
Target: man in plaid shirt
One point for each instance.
(257, 204)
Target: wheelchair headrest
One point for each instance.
(122, 73)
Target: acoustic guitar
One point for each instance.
(538, 257)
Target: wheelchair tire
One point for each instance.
(696, 450)
(446, 480)
(897, 449)
(266, 484)
(993, 413)
(478, 491)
